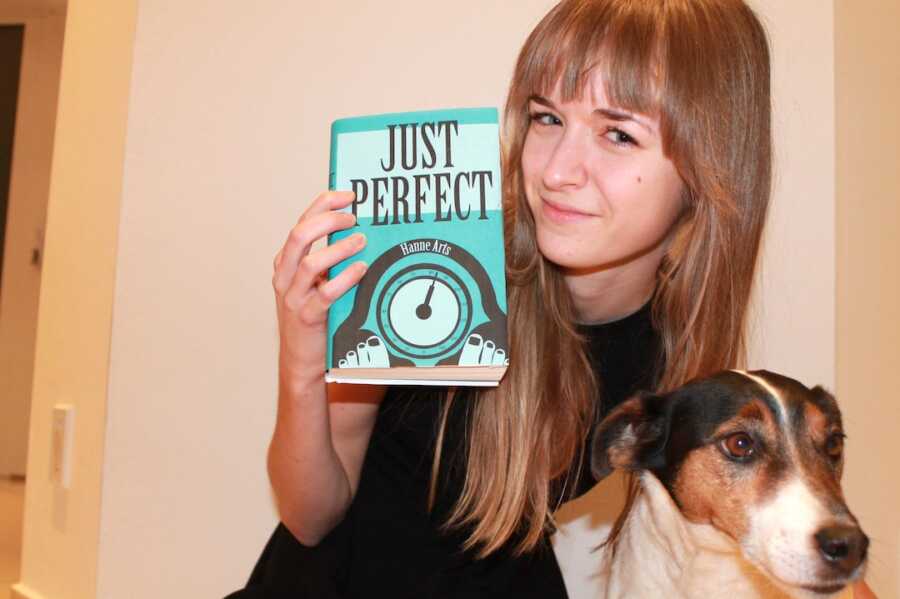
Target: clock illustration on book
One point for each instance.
(424, 302)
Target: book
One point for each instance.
(431, 308)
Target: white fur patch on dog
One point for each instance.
(783, 412)
(781, 539)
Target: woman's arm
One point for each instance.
(316, 451)
(315, 458)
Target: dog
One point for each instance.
(740, 494)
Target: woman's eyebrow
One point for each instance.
(609, 113)
(541, 100)
(618, 115)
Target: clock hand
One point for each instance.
(423, 310)
(430, 290)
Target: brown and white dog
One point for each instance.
(741, 494)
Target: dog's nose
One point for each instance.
(843, 547)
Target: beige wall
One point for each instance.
(28, 189)
(868, 270)
(61, 530)
(793, 325)
(227, 137)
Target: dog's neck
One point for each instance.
(661, 554)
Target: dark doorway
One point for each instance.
(10, 64)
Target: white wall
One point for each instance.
(868, 271)
(227, 138)
(28, 189)
(794, 320)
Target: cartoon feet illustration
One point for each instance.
(477, 351)
(371, 354)
(480, 352)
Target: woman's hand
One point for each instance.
(312, 470)
(302, 292)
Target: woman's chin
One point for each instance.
(568, 257)
(572, 250)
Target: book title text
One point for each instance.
(402, 197)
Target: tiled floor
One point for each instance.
(12, 496)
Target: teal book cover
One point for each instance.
(431, 308)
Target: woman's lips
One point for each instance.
(561, 213)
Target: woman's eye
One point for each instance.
(619, 137)
(739, 446)
(834, 446)
(544, 118)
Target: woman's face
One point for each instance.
(601, 191)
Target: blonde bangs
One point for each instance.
(624, 45)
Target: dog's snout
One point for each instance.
(843, 547)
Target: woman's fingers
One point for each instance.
(325, 202)
(312, 267)
(299, 279)
(301, 237)
(294, 246)
(314, 309)
(327, 292)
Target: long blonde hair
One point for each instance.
(702, 67)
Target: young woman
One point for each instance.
(636, 182)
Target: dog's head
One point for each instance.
(757, 455)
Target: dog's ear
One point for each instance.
(632, 437)
(825, 401)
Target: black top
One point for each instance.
(390, 545)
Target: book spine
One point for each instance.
(332, 170)
(332, 158)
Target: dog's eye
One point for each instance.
(739, 446)
(834, 446)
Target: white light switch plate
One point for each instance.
(61, 450)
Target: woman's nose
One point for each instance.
(565, 166)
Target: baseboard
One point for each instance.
(20, 591)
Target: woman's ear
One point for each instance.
(632, 437)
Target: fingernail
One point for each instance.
(360, 239)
